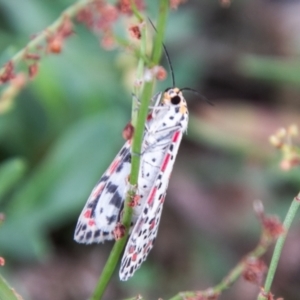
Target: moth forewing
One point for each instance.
(161, 142)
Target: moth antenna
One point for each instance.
(167, 56)
(197, 93)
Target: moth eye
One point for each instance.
(175, 100)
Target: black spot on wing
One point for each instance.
(111, 219)
(93, 203)
(127, 158)
(116, 200)
(97, 233)
(177, 109)
(171, 147)
(123, 151)
(120, 167)
(88, 235)
(103, 178)
(111, 188)
(78, 229)
(128, 262)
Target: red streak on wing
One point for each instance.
(131, 249)
(98, 191)
(113, 166)
(87, 214)
(147, 246)
(152, 224)
(176, 136)
(165, 162)
(152, 195)
(134, 256)
(91, 222)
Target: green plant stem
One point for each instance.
(279, 244)
(135, 160)
(70, 13)
(139, 76)
(6, 292)
(160, 28)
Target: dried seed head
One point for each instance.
(160, 73)
(135, 32)
(124, 6)
(85, 16)
(119, 231)
(32, 70)
(8, 73)
(55, 44)
(128, 132)
(272, 226)
(2, 261)
(255, 270)
(175, 3)
(66, 28)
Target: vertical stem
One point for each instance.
(280, 242)
(135, 161)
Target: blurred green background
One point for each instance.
(65, 128)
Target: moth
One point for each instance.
(102, 213)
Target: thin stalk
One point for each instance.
(70, 13)
(6, 292)
(279, 245)
(135, 162)
(233, 275)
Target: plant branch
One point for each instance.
(265, 242)
(135, 160)
(278, 247)
(70, 13)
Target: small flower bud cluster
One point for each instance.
(282, 140)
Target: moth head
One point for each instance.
(173, 96)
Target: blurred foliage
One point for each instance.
(65, 128)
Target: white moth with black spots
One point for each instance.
(102, 213)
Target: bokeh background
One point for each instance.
(65, 128)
